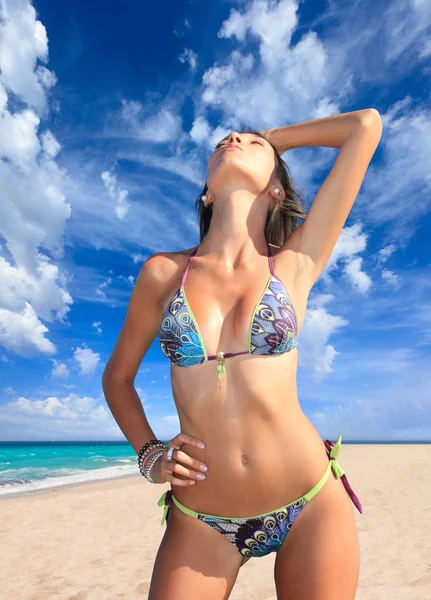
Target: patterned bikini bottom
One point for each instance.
(261, 534)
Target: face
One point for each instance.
(250, 165)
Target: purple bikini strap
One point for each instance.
(188, 265)
(354, 498)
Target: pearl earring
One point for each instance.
(277, 190)
(204, 197)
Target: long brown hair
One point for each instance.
(282, 217)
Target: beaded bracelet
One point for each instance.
(149, 447)
(148, 444)
(146, 470)
(145, 453)
(148, 457)
(153, 460)
(149, 451)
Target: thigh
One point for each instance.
(320, 556)
(194, 561)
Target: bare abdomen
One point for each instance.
(258, 460)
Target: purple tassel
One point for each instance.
(351, 493)
(329, 445)
(168, 498)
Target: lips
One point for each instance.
(233, 146)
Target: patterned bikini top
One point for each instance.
(273, 325)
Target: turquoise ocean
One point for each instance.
(30, 466)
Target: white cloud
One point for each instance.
(266, 92)
(358, 278)
(33, 211)
(50, 145)
(319, 300)
(23, 42)
(189, 56)
(87, 360)
(116, 193)
(200, 130)
(138, 257)
(18, 137)
(129, 279)
(315, 351)
(389, 276)
(385, 253)
(26, 297)
(102, 286)
(59, 370)
(406, 25)
(161, 126)
(72, 416)
(96, 325)
(398, 191)
(40, 288)
(23, 333)
(351, 242)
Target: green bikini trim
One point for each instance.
(338, 472)
(195, 322)
(250, 330)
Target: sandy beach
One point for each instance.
(99, 540)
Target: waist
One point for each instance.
(254, 466)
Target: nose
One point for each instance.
(234, 138)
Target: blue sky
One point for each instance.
(108, 114)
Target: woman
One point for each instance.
(232, 343)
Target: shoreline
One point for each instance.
(75, 484)
(65, 486)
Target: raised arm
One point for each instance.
(357, 134)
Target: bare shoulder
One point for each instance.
(162, 269)
(162, 264)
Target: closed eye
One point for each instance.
(255, 141)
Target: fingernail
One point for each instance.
(201, 445)
(203, 468)
(192, 482)
(200, 476)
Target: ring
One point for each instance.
(170, 454)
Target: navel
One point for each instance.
(244, 458)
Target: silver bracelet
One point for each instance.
(145, 460)
(147, 470)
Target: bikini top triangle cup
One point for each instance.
(273, 325)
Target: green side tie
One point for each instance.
(166, 498)
(338, 471)
(161, 502)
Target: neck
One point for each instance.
(237, 230)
